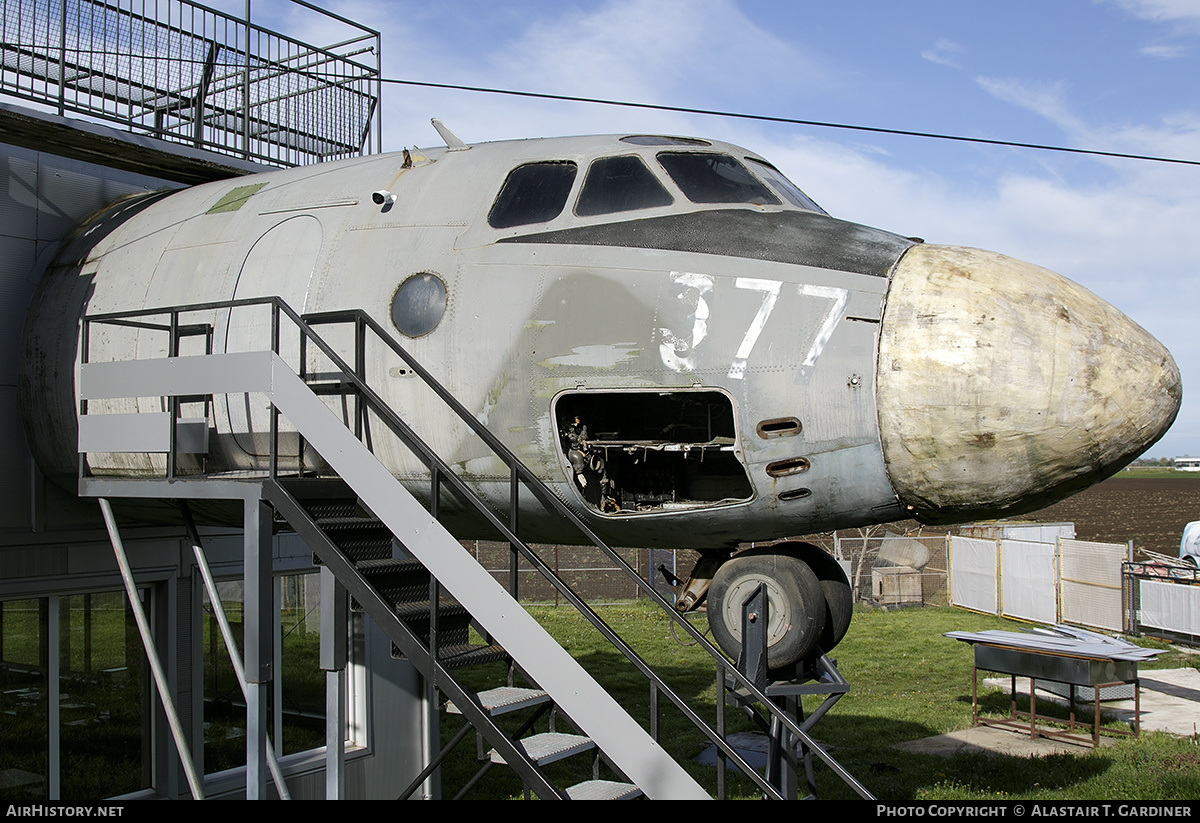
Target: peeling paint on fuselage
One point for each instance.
(598, 356)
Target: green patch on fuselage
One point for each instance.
(234, 199)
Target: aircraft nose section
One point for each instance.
(1003, 387)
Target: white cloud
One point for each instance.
(1045, 99)
(1164, 52)
(942, 53)
(1162, 10)
(674, 52)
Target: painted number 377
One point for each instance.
(679, 346)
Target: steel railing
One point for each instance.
(183, 72)
(354, 381)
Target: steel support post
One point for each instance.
(334, 642)
(160, 675)
(235, 657)
(259, 637)
(53, 696)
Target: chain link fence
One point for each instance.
(884, 569)
(587, 570)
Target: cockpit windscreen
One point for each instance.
(715, 178)
(617, 184)
(784, 186)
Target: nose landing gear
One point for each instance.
(809, 599)
(777, 610)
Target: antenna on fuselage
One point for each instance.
(453, 141)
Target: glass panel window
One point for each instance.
(24, 717)
(299, 687)
(533, 193)
(224, 704)
(715, 178)
(784, 186)
(663, 140)
(99, 707)
(102, 696)
(302, 683)
(616, 184)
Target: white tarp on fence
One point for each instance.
(1074, 581)
(1169, 606)
(973, 574)
(1090, 585)
(1027, 576)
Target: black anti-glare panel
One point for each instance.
(801, 238)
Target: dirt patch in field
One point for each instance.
(1150, 511)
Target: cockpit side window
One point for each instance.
(616, 184)
(533, 193)
(715, 178)
(784, 186)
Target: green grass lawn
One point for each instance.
(907, 682)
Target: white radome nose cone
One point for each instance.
(1003, 387)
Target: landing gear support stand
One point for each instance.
(816, 674)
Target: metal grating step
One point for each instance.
(416, 612)
(456, 657)
(506, 699)
(390, 565)
(336, 522)
(603, 790)
(549, 747)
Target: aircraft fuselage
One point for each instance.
(725, 344)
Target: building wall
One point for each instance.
(46, 196)
(53, 546)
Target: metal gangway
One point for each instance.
(183, 72)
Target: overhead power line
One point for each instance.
(330, 77)
(790, 121)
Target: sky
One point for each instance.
(1110, 75)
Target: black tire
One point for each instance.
(795, 604)
(839, 597)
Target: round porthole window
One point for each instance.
(418, 305)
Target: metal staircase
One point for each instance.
(390, 551)
(397, 592)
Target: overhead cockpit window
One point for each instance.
(620, 184)
(533, 193)
(784, 186)
(715, 178)
(663, 140)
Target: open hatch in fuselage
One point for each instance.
(651, 451)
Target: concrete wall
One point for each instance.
(44, 198)
(52, 543)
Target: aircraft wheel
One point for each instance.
(839, 598)
(794, 601)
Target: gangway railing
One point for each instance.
(351, 380)
(183, 72)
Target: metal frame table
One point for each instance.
(1074, 670)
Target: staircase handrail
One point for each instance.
(539, 490)
(441, 471)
